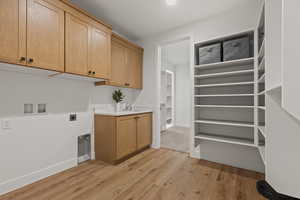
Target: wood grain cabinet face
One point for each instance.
(77, 45)
(45, 35)
(126, 136)
(100, 54)
(144, 131)
(13, 31)
(118, 68)
(135, 68)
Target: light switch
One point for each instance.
(6, 124)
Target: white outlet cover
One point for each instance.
(6, 124)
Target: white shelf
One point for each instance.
(223, 139)
(231, 73)
(262, 79)
(262, 107)
(222, 106)
(261, 52)
(225, 122)
(262, 93)
(262, 129)
(224, 84)
(240, 62)
(225, 95)
(262, 153)
(261, 66)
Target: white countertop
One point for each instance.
(122, 113)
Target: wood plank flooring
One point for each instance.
(151, 175)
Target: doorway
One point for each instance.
(175, 95)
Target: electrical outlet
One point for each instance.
(5, 124)
(73, 117)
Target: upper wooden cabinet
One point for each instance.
(127, 64)
(119, 66)
(13, 31)
(100, 53)
(45, 35)
(54, 35)
(77, 45)
(87, 48)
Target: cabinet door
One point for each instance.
(118, 59)
(126, 136)
(135, 68)
(13, 31)
(144, 130)
(77, 45)
(45, 35)
(100, 54)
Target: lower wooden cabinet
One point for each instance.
(117, 138)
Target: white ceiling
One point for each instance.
(137, 19)
(178, 53)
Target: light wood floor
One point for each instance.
(151, 175)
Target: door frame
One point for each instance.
(158, 65)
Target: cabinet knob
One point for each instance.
(22, 59)
(30, 60)
(90, 72)
(94, 73)
(127, 84)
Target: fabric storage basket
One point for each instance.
(236, 49)
(210, 54)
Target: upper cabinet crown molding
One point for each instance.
(67, 2)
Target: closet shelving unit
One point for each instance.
(261, 86)
(169, 98)
(224, 98)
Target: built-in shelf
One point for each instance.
(262, 153)
(262, 107)
(225, 122)
(224, 139)
(224, 84)
(229, 87)
(262, 79)
(224, 95)
(261, 66)
(261, 52)
(223, 106)
(231, 73)
(240, 62)
(262, 129)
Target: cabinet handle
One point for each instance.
(30, 60)
(22, 59)
(127, 84)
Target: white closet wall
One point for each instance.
(282, 97)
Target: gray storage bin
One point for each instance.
(236, 49)
(210, 54)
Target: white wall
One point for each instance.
(183, 96)
(237, 20)
(283, 129)
(41, 145)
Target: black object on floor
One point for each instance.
(267, 191)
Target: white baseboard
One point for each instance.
(93, 156)
(22, 181)
(84, 158)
